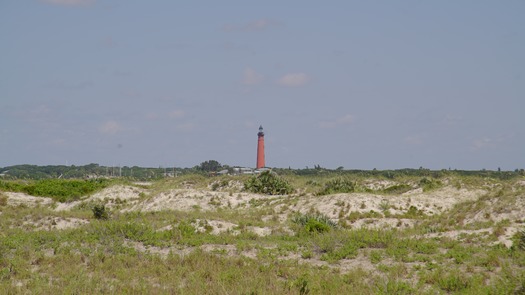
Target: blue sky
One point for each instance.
(359, 84)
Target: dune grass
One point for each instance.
(162, 253)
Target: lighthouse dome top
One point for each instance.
(261, 133)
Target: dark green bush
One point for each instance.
(268, 183)
(338, 185)
(100, 212)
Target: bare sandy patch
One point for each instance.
(430, 203)
(496, 210)
(383, 223)
(17, 199)
(111, 197)
(53, 223)
(503, 239)
(191, 199)
(143, 183)
(214, 227)
(217, 227)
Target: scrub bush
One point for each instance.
(269, 184)
(100, 212)
(338, 185)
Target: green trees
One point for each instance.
(210, 166)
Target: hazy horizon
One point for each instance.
(363, 85)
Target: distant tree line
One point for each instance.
(88, 172)
(211, 167)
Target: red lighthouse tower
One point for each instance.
(260, 149)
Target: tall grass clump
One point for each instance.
(338, 185)
(311, 223)
(268, 183)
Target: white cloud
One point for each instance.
(110, 128)
(251, 77)
(294, 80)
(176, 114)
(69, 2)
(481, 143)
(344, 120)
(256, 25)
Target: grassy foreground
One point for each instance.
(304, 251)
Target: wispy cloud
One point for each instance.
(69, 2)
(256, 25)
(110, 128)
(251, 77)
(344, 120)
(294, 80)
(176, 114)
(481, 143)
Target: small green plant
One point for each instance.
(307, 254)
(268, 183)
(384, 205)
(375, 256)
(100, 212)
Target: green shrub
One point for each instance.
(429, 184)
(314, 223)
(268, 183)
(100, 212)
(338, 185)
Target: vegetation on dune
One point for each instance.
(314, 223)
(178, 252)
(61, 190)
(338, 185)
(268, 183)
(100, 212)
